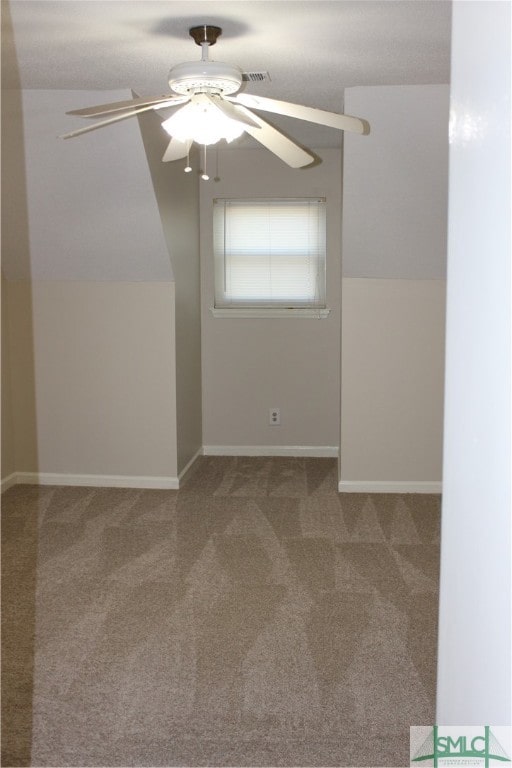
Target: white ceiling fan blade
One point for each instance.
(230, 110)
(116, 119)
(276, 142)
(158, 102)
(176, 150)
(311, 114)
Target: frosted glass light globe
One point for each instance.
(203, 123)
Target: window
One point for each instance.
(269, 255)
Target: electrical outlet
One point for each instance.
(274, 417)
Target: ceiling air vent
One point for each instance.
(255, 77)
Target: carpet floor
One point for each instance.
(255, 617)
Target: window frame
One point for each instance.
(250, 309)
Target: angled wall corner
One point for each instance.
(19, 424)
(177, 196)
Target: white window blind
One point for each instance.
(269, 253)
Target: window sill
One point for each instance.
(316, 313)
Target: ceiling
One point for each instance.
(312, 50)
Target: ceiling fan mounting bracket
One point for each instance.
(205, 34)
(205, 76)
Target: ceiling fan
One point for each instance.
(209, 111)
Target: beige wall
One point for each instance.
(20, 343)
(90, 301)
(395, 196)
(392, 381)
(8, 451)
(251, 365)
(177, 195)
(62, 330)
(15, 242)
(103, 362)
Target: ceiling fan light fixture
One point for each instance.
(203, 123)
(213, 113)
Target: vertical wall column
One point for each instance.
(475, 608)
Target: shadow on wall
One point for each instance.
(19, 441)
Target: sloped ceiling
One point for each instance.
(85, 212)
(312, 50)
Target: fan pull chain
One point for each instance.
(216, 177)
(188, 167)
(204, 175)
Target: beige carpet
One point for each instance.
(254, 618)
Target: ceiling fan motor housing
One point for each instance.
(205, 77)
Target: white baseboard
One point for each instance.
(389, 486)
(9, 481)
(318, 451)
(173, 483)
(94, 481)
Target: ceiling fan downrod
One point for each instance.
(205, 36)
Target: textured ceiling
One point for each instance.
(308, 47)
(312, 50)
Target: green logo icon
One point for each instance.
(460, 749)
